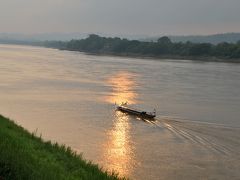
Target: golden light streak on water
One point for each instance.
(118, 150)
(123, 85)
(119, 154)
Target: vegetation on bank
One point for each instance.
(162, 48)
(23, 156)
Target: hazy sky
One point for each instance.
(149, 17)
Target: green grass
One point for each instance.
(27, 157)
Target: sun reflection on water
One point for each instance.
(119, 155)
(123, 85)
(119, 150)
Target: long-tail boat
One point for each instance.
(142, 114)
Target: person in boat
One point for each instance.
(124, 103)
(143, 113)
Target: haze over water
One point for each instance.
(69, 97)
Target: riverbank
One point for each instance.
(231, 56)
(160, 57)
(162, 49)
(26, 156)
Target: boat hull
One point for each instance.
(140, 114)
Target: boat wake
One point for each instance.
(216, 138)
(203, 149)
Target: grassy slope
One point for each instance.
(25, 156)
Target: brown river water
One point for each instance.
(69, 97)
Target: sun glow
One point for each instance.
(118, 150)
(123, 85)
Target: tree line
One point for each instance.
(163, 47)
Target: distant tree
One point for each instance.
(94, 37)
(163, 46)
(93, 43)
(222, 49)
(164, 40)
(200, 49)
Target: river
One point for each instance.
(69, 97)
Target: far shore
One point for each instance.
(163, 57)
(141, 56)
